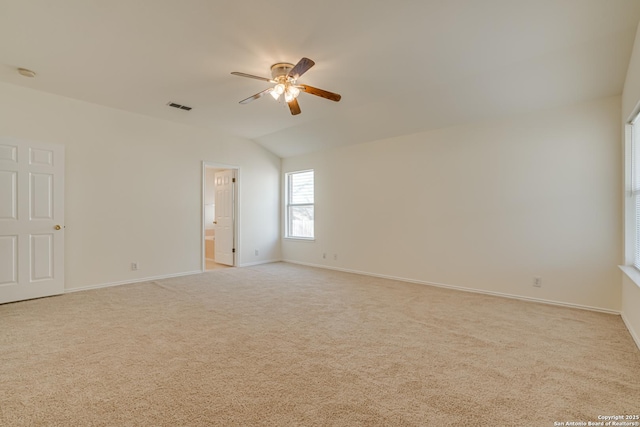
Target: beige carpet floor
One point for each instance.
(286, 345)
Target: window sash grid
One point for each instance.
(300, 206)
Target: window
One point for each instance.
(635, 189)
(299, 205)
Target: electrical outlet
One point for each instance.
(335, 257)
(324, 255)
(257, 252)
(134, 266)
(537, 282)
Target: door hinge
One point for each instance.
(233, 180)
(233, 250)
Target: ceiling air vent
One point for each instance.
(178, 106)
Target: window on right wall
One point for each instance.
(299, 201)
(632, 232)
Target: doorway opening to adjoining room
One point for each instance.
(220, 210)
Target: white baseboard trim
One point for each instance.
(148, 279)
(131, 281)
(461, 288)
(250, 264)
(633, 333)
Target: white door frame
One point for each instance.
(236, 209)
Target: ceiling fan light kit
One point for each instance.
(285, 77)
(285, 84)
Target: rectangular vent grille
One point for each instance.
(178, 106)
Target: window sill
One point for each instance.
(301, 239)
(632, 273)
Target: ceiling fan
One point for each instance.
(285, 77)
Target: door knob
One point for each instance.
(57, 227)
(215, 222)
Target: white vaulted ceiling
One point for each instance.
(401, 67)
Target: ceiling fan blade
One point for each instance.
(251, 76)
(294, 107)
(319, 92)
(256, 96)
(300, 68)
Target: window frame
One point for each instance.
(288, 232)
(632, 193)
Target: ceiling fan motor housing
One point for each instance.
(280, 69)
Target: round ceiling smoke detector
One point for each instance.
(26, 73)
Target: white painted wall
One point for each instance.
(631, 91)
(630, 100)
(483, 206)
(134, 187)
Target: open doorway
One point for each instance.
(220, 213)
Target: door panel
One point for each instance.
(41, 196)
(31, 220)
(8, 260)
(41, 251)
(8, 195)
(224, 187)
(40, 157)
(9, 153)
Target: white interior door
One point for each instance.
(224, 217)
(31, 220)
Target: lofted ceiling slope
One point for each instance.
(401, 67)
